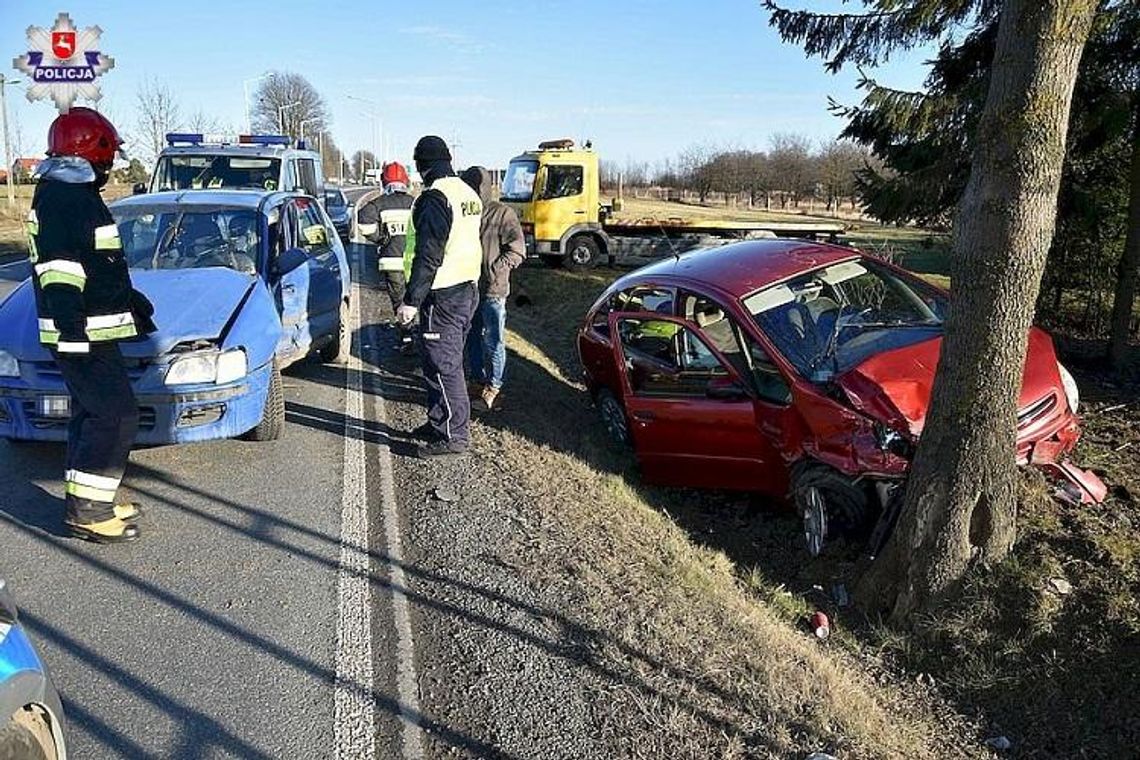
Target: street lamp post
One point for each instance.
(245, 89)
(4, 84)
(374, 115)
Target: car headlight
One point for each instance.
(211, 367)
(9, 367)
(1072, 392)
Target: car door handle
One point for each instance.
(579, 212)
(644, 416)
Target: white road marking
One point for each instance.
(354, 706)
(355, 709)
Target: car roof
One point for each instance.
(250, 151)
(739, 269)
(251, 199)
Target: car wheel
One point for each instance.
(27, 737)
(613, 417)
(338, 350)
(582, 252)
(829, 504)
(273, 416)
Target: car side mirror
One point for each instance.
(139, 188)
(725, 389)
(289, 260)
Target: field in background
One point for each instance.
(13, 241)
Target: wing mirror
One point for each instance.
(725, 389)
(139, 188)
(294, 258)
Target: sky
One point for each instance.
(642, 79)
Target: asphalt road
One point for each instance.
(281, 603)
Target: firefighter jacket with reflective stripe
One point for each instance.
(443, 246)
(384, 221)
(83, 287)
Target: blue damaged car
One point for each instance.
(244, 283)
(31, 718)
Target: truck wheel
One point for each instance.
(582, 252)
(613, 418)
(830, 505)
(273, 416)
(337, 350)
(552, 260)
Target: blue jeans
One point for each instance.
(486, 343)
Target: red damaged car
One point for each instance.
(799, 370)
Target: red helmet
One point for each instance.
(86, 133)
(393, 173)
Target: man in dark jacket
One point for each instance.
(504, 248)
(444, 254)
(384, 221)
(85, 305)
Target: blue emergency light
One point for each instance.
(197, 138)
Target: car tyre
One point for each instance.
(829, 504)
(273, 417)
(27, 737)
(613, 418)
(582, 252)
(338, 350)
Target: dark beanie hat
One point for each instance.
(431, 148)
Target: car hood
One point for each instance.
(895, 386)
(189, 304)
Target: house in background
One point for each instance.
(23, 168)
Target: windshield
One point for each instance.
(180, 237)
(830, 320)
(519, 182)
(210, 172)
(335, 199)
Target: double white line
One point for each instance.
(355, 705)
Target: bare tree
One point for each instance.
(790, 159)
(284, 102)
(362, 161)
(200, 121)
(837, 164)
(157, 113)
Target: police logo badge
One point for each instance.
(63, 63)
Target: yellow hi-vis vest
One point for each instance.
(463, 251)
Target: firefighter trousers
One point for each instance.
(395, 285)
(104, 419)
(445, 320)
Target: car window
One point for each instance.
(562, 181)
(307, 176)
(177, 237)
(312, 235)
(213, 172)
(769, 383)
(667, 359)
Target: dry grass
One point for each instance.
(713, 657)
(13, 239)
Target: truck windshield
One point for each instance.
(206, 172)
(180, 237)
(827, 321)
(519, 182)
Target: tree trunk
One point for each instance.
(961, 497)
(1129, 271)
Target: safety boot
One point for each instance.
(489, 396)
(441, 448)
(112, 531)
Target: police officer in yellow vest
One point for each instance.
(446, 257)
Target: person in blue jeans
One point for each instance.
(504, 249)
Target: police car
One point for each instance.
(195, 161)
(31, 717)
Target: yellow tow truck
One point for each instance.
(555, 191)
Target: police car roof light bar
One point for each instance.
(264, 139)
(191, 138)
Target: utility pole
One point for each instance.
(245, 91)
(4, 83)
(281, 114)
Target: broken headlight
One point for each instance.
(893, 441)
(1072, 393)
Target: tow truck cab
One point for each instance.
(193, 161)
(554, 190)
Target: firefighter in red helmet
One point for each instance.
(86, 305)
(384, 221)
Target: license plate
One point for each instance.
(54, 406)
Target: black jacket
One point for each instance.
(83, 287)
(390, 234)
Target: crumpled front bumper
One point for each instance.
(166, 414)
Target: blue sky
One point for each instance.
(643, 79)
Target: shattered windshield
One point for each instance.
(180, 237)
(830, 320)
(213, 172)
